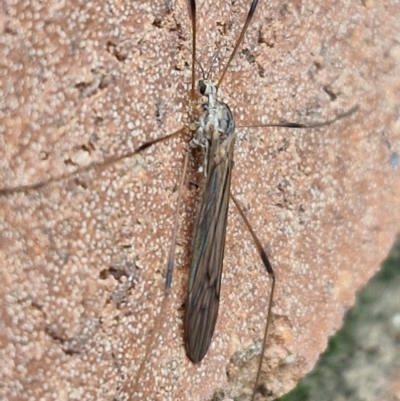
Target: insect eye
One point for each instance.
(202, 87)
(207, 88)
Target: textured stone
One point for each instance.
(82, 82)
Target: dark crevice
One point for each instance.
(119, 50)
(100, 80)
(330, 93)
(261, 70)
(249, 56)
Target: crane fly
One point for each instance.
(214, 134)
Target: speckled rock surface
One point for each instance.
(83, 258)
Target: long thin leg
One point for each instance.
(271, 273)
(171, 255)
(239, 41)
(191, 4)
(168, 280)
(309, 125)
(103, 163)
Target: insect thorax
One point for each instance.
(216, 122)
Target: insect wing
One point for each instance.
(208, 252)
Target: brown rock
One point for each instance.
(84, 83)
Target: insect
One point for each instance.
(215, 134)
(218, 154)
